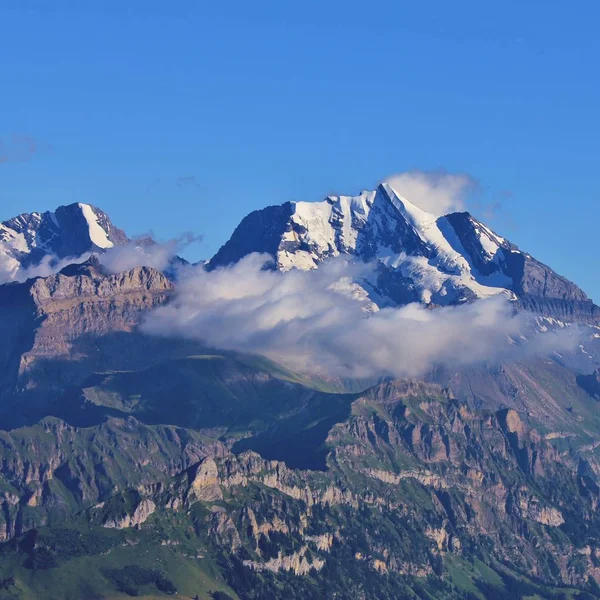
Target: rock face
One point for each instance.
(296, 563)
(205, 484)
(82, 301)
(420, 258)
(60, 328)
(140, 514)
(260, 232)
(546, 390)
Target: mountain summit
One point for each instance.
(69, 231)
(419, 257)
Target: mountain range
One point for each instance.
(137, 465)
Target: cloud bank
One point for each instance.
(318, 322)
(436, 192)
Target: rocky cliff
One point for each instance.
(58, 329)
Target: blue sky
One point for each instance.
(178, 116)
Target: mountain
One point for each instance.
(423, 497)
(135, 465)
(419, 257)
(69, 231)
(110, 430)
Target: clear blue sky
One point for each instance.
(186, 115)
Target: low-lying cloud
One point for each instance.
(436, 192)
(128, 256)
(143, 252)
(11, 269)
(318, 322)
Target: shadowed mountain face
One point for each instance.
(590, 383)
(420, 258)
(216, 393)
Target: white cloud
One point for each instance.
(137, 253)
(145, 253)
(11, 270)
(310, 322)
(128, 256)
(439, 193)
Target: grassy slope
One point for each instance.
(84, 557)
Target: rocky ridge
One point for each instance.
(450, 478)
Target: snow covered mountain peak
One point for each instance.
(382, 225)
(415, 215)
(70, 231)
(418, 256)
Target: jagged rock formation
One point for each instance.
(296, 562)
(139, 515)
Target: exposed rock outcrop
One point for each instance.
(297, 563)
(205, 484)
(141, 512)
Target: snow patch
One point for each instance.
(98, 236)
